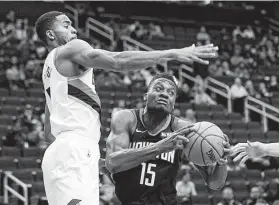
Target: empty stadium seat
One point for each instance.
(271, 174)
(14, 100)
(223, 124)
(240, 135)
(7, 163)
(10, 151)
(253, 175)
(220, 115)
(28, 162)
(4, 92)
(10, 110)
(238, 125)
(272, 136)
(203, 116)
(5, 120)
(33, 92)
(18, 93)
(35, 101)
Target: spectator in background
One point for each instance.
(136, 30)
(237, 34)
(185, 189)
(154, 31)
(15, 75)
(236, 59)
(228, 197)
(264, 92)
(249, 86)
(203, 37)
(176, 112)
(273, 85)
(272, 193)
(226, 69)
(238, 94)
(249, 33)
(255, 196)
(20, 31)
(202, 98)
(190, 116)
(121, 105)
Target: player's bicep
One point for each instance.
(80, 52)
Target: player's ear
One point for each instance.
(50, 34)
(145, 97)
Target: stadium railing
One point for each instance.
(96, 26)
(25, 187)
(72, 13)
(273, 24)
(265, 110)
(131, 44)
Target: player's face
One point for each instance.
(63, 30)
(161, 95)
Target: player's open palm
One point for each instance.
(197, 54)
(175, 140)
(244, 151)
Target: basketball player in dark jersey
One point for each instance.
(144, 149)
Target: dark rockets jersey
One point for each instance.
(152, 182)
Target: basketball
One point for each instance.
(205, 146)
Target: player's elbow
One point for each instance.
(110, 166)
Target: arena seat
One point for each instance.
(238, 125)
(272, 136)
(14, 100)
(34, 101)
(253, 175)
(18, 93)
(10, 151)
(4, 92)
(271, 174)
(28, 162)
(5, 120)
(240, 135)
(7, 163)
(10, 110)
(203, 116)
(34, 92)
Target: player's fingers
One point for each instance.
(182, 138)
(223, 161)
(244, 159)
(236, 151)
(206, 55)
(240, 156)
(226, 137)
(184, 130)
(205, 46)
(185, 60)
(239, 145)
(207, 49)
(199, 60)
(226, 144)
(226, 151)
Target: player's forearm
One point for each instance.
(271, 149)
(215, 177)
(134, 60)
(129, 158)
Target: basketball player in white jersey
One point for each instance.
(72, 115)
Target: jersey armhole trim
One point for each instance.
(133, 130)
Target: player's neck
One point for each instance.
(153, 119)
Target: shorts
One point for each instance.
(71, 170)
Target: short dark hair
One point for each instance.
(44, 23)
(166, 76)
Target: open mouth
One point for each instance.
(162, 102)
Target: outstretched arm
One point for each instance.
(80, 52)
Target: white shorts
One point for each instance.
(71, 170)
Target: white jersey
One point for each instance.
(72, 101)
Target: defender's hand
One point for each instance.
(244, 151)
(196, 54)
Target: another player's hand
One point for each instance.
(226, 150)
(175, 140)
(244, 151)
(196, 54)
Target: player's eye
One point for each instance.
(171, 93)
(158, 89)
(66, 26)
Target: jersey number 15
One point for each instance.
(147, 175)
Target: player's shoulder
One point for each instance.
(73, 47)
(179, 123)
(125, 116)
